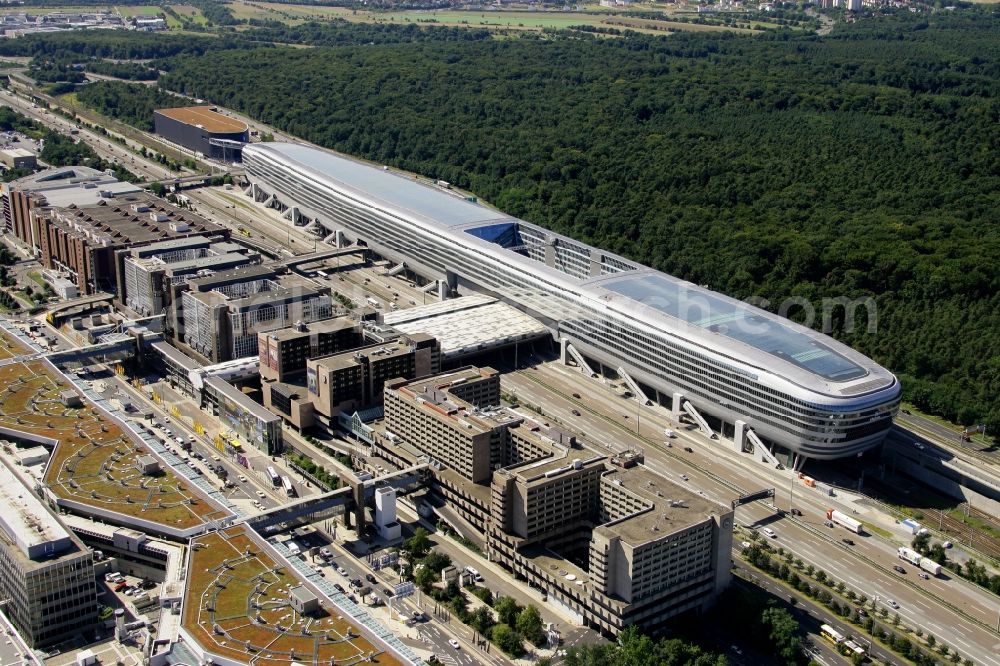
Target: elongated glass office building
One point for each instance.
(794, 387)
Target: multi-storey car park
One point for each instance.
(753, 374)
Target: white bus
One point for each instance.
(275, 479)
(289, 488)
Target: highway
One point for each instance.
(103, 146)
(610, 421)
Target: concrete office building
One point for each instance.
(224, 313)
(611, 540)
(283, 353)
(149, 277)
(204, 130)
(350, 380)
(757, 378)
(63, 187)
(444, 425)
(654, 550)
(46, 573)
(75, 221)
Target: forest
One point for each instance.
(862, 164)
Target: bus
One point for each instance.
(831, 634)
(275, 479)
(852, 649)
(289, 488)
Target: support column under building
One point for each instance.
(740, 435)
(676, 406)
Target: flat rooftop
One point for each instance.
(94, 461)
(27, 522)
(674, 507)
(204, 117)
(313, 328)
(228, 572)
(125, 219)
(376, 352)
(468, 325)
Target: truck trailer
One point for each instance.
(842, 519)
(930, 566)
(915, 558)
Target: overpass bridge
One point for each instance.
(350, 499)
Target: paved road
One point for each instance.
(610, 421)
(105, 148)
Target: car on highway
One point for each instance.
(684, 477)
(342, 571)
(576, 412)
(242, 478)
(370, 578)
(260, 494)
(453, 643)
(216, 458)
(576, 395)
(898, 569)
(924, 576)
(849, 542)
(669, 434)
(689, 449)
(828, 523)
(891, 603)
(770, 533)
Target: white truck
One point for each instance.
(844, 520)
(930, 566)
(925, 563)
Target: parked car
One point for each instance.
(342, 571)
(121, 586)
(339, 588)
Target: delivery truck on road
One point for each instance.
(844, 520)
(925, 563)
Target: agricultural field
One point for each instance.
(128, 11)
(95, 461)
(493, 20)
(237, 606)
(189, 12)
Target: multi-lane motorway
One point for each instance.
(950, 608)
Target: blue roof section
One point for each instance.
(737, 322)
(390, 189)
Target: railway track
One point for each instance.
(963, 533)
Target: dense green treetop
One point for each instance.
(865, 163)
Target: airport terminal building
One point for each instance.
(752, 375)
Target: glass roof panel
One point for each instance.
(739, 322)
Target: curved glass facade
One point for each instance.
(795, 387)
